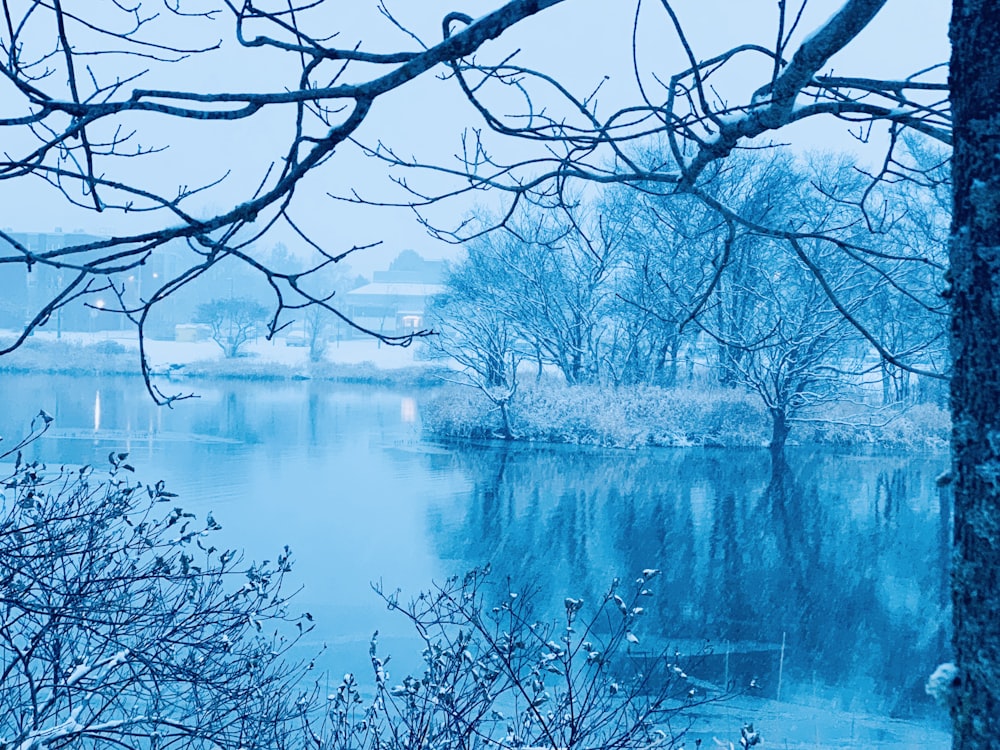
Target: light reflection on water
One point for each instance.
(841, 557)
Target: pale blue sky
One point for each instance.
(579, 42)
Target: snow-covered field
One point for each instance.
(162, 354)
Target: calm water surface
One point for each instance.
(840, 558)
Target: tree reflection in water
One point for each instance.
(845, 557)
(841, 558)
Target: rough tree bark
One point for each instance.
(779, 433)
(975, 385)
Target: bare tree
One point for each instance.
(476, 330)
(565, 276)
(317, 326)
(94, 91)
(233, 320)
(915, 321)
(663, 277)
(553, 275)
(691, 255)
(795, 348)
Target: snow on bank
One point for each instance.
(166, 355)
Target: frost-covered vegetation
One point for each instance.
(122, 622)
(632, 296)
(124, 625)
(100, 358)
(639, 416)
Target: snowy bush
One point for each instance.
(592, 415)
(638, 416)
(923, 427)
(99, 358)
(461, 412)
(123, 625)
(495, 675)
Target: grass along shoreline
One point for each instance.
(642, 416)
(111, 357)
(544, 411)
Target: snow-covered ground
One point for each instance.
(162, 354)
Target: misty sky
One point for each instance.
(579, 42)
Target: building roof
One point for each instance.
(400, 289)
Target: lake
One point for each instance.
(828, 576)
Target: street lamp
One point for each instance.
(98, 305)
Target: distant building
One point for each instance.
(410, 267)
(24, 292)
(396, 301)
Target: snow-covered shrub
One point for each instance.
(637, 416)
(245, 367)
(460, 412)
(719, 416)
(123, 625)
(99, 358)
(593, 415)
(922, 427)
(108, 347)
(493, 674)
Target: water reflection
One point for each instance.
(840, 557)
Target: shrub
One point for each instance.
(108, 347)
(592, 415)
(647, 415)
(922, 427)
(494, 675)
(102, 358)
(122, 625)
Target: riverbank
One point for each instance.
(117, 353)
(545, 411)
(690, 416)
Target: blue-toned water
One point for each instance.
(831, 571)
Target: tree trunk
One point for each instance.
(671, 350)
(779, 433)
(508, 426)
(975, 385)
(886, 383)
